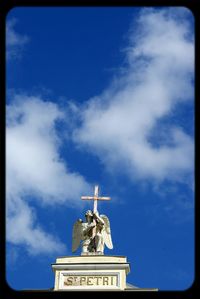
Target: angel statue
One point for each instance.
(94, 233)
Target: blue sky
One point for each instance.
(100, 96)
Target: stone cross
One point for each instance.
(95, 198)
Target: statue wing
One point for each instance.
(76, 235)
(106, 232)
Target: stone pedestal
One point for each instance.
(95, 273)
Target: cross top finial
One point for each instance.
(96, 190)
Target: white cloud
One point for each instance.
(22, 229)
(14, 41)
(34, 168)
(118, 124)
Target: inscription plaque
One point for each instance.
(94, 280)
(90, 280)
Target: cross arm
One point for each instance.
(104, 198)
(94, 198)
(87, 197)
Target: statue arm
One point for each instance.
(100, 220)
